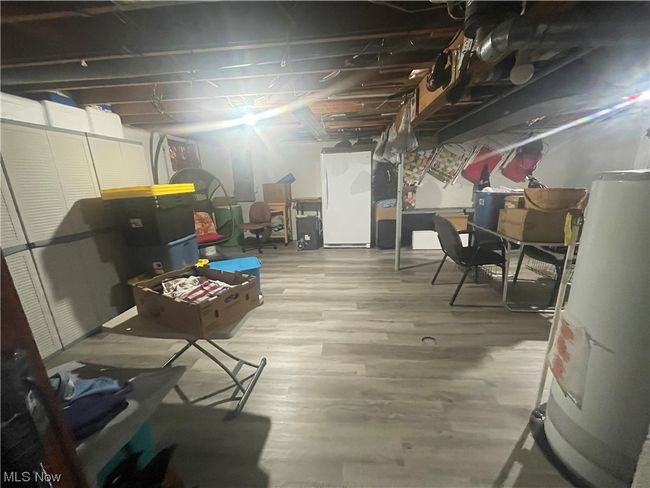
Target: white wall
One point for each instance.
(572, 159)
(271, 161)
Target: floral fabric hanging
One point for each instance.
(448, 162)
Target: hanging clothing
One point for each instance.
(70, 388)
(92, 413)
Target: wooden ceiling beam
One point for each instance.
(44, 79)
(345, 83)
(272, 79)
(440, 33)
(56, 14)
(201, 117)
(221, 105)
(353, 124)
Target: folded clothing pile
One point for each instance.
(89, 404)
(193, 289)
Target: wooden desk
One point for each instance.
(308, 204)
(285, 210)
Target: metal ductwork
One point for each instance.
(520, 33)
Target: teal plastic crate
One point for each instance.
(248, 265)
(142, 442)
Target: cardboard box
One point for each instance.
(532, 225)
(555, 199)
(458, 220)
(424, 239)
(385, 213)
(514, 201)
(198, 319)
(277, 192)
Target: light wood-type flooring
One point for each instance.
(351, 395)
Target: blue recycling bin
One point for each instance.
(487, 206)
(249, 265)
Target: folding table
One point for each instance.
(508, 242)
(130, 323)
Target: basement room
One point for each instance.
(360, 244)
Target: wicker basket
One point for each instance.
(555, 199)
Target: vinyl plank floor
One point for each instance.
(351, 395)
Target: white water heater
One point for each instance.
(599, 408)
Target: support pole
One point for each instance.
(398, 211)
(567, 274)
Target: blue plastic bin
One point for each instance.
(249, 265)
(165, 257)
(486, 208)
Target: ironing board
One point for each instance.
(130, 323)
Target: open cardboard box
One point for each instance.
(529, 225)
(198, 320)
(458, 219)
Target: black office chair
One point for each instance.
(555, 259)
(465, 257)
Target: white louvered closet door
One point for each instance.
(107, 159)
(138, 169)
(12, 232)
(119, 164)
(66, 283)
(22, 269)
(76, 174)
(34, 179)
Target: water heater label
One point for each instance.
(569, 358)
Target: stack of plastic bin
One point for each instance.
(158, 225)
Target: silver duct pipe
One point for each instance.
(520, 33)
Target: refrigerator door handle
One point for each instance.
(327, 190)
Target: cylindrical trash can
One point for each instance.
(599, 407)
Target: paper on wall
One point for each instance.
(568, 359)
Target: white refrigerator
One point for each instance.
(346, 189)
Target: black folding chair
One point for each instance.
(465, 257)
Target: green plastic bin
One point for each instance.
(223, 215)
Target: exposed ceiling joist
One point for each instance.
(100, 9)
(114, 73)
(307, 119)
(346, 83)
(221, 105)
(435, 33)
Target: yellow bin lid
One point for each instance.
(146, 191)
